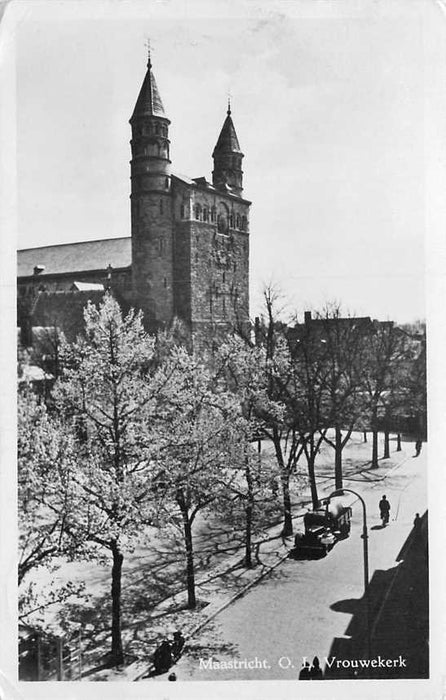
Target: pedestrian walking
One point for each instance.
(315, 670)
(384, 510)
(304, 674)
(418, 446)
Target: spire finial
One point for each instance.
(229, 104)
(149, 51)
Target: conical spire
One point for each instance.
(227, 141)
(228, 157)
(149, 103)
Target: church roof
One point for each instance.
(75, 257)
(227, 141)
(149, 103)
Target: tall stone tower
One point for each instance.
(190, 237)
(151, 211)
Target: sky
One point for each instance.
(328, 101)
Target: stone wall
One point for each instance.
(211, 258)
(152, 256)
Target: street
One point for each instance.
(305, 606)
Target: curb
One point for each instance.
(238, 595)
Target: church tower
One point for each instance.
(151, 208)
(228, 157)
(190, 237)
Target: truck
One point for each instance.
(324, 526)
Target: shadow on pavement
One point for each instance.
(399, 620)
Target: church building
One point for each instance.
(187, 256)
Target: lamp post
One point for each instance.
(365, 537)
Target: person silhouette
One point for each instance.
(384, 510)
(417, 527)
(304, 674)
(315, 670)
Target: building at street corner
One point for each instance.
(187, 256)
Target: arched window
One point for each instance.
(222, 224)
(243, 223)
(213, 214)
(197, 212)
(152, 149)
(182, 211)
(237, 221)
(231, 220)
(166, 183)
(205, 214)
(157, 128)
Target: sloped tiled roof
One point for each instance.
(227, 141)
(149, 103)
(76, 257)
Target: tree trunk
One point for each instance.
(374, 448)
(285, 480)
(190, 573)
(287, 519)
(311, 457)
(398, 442)
(365, 435)
(248, 535)
(338, 459)
(116, 649)
(248, 514)
(386, 454)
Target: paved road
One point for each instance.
(304, 606)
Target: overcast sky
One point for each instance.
(328, 108)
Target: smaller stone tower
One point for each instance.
(151, 207)
(228, 159)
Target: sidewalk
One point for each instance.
(399, 617)
(230, 580)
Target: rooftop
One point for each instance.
(75, 257)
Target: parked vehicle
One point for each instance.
(323, 528)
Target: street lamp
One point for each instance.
(365, 537)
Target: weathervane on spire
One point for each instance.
(149, 52)
(229, 104)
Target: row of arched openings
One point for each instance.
(210, 214)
